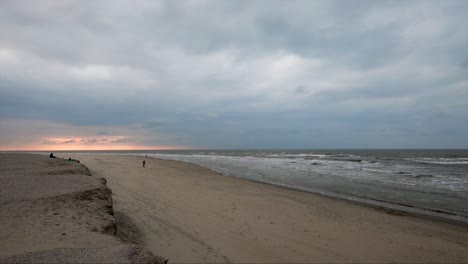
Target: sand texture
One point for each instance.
(54, 211)
(191, 214)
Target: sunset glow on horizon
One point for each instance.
(85, 144)
(91, 148)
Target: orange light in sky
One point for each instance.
(84, 143)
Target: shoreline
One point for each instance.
(388, 207)
(397, 207)
(191, 214)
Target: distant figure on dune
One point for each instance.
(52, 156)
(144, 162)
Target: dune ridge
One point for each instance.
(54, 211)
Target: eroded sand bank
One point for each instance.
(191, 214)
(54, 211)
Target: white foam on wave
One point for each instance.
(441, 161)
(307, 171)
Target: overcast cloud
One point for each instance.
(235, 74)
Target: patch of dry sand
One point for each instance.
(191, 214)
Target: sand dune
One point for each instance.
(191, 214)
(54, 211)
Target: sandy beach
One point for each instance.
(187, 213)
(55, 211)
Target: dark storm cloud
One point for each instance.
(241, 73)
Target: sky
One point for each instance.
(89, 75)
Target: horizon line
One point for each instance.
(195, 149)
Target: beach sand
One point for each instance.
(187, 213)
(54, 211)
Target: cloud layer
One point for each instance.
(235, 74)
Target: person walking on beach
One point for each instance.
(144, 162)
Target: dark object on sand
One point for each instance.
(144, 162)
(52, 156)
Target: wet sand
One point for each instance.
(187, 213)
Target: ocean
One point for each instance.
(425, 181)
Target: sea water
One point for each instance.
(434, 181)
